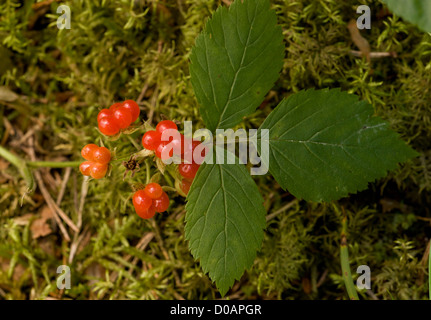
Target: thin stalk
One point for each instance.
(147, 169)
(429, 271)
(53, 164)
(345, 265)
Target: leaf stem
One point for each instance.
(345, 265)
(53, 164)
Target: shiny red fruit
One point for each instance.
(161, 204)
(102, 155)
(151, 140)
(147, 213)
(85, 167)
(115, 106)
(133, 107)
(98, 170)
(141, 201)
(88, 151)
(162, 151)
(153, 190)
(188, 170)
(109, 126)
(104, 113)
(123, 116)
(166, 124)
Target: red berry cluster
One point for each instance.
(118, 117)
(97, 161)
(152, 141)
(150, 200)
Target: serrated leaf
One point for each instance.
(417, 12)
(235, 62)
(224, 221)
(326, 144)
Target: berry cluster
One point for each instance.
(118, 117)
(152, 141)
(150, 200)
(97, 161)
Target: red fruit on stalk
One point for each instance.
(161, 204)
(153, 190)
(115, 106)
(133, 107)
(104, 113)
(98, 170)
(141, 201)
(85, 167)
(151, 140)
(123, 117)
(166, 124)
(188, 170)
(109, 126)
(88, 151)
(102, 155)
(146, 213)
(160, 151)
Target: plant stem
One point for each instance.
(53, 164)
(147, 169)
(345, 265)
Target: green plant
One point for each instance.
(323, 144)
(311, 70)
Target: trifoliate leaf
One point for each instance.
(224, 221)
(235, 62)
(326, 144)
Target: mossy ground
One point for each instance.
(139, 50)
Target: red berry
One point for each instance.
(178, 144)
(146, 214)
(102, 155)
(188, 170)
(166, 124)
(108, 126)
(141, 201)
(115, 106)
(189, 148)
(185, 186)
(88, 151)
(160, 151)
(161, 204)
(98, 170)
(153, 190)
(151, 140)
(133, 107)
(123, 117)
(104, 113)
(85, 167)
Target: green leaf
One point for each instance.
(326, 144)
(224, 221)
(417, 12)
(235, 62)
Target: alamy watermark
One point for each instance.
(63, 280)
(364, 280)
(64, 21)
(364, 21)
